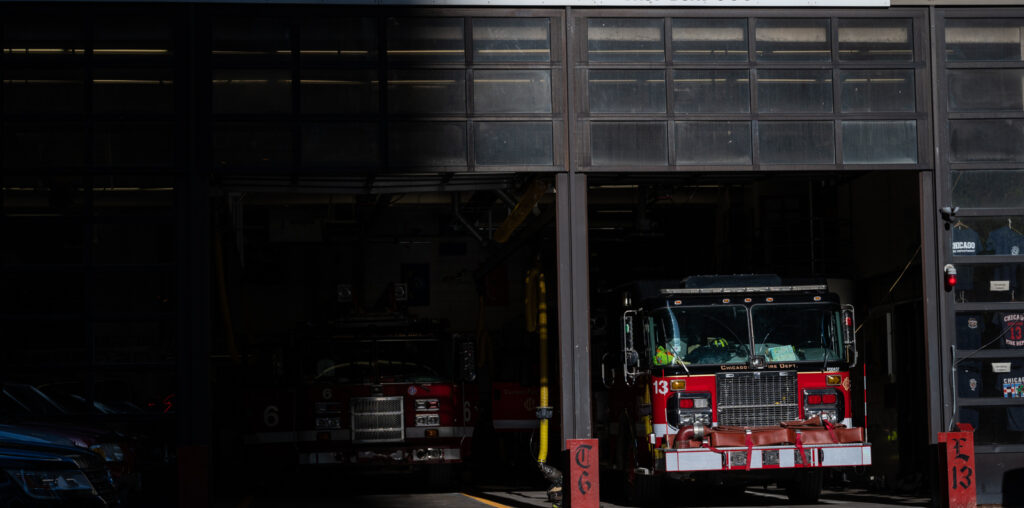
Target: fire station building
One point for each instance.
(184, 183)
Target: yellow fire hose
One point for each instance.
(542, 332)
(536, 298)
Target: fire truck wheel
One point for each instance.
(644, 491)
(805, 487)
(441, 476)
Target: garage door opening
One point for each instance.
(857, 233)
(380, 326)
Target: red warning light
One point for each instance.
(950, 272)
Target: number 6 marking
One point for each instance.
(270, 417)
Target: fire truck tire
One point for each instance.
(441, 476)
(805, 487)
(645, 490)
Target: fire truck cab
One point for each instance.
(733, 378)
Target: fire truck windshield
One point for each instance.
(384, 360)
(797, 332)
(701, 335)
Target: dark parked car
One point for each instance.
(31, 410)
(38, 468)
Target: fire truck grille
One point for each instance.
(756, 399)
(377, 420)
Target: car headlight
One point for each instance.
(51, 484)
(111, 452)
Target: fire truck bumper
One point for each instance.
(397, 456)
(766, 457)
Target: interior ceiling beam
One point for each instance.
(529, 199)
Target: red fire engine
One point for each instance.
(373, 392)
(733, 378)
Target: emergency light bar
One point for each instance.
(756, 289)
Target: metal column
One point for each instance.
(573, 305)
(939, 394)
(192, 209)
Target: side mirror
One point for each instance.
(627, 331)
(630, 366)
(850, 333)
(467, 360)
(630, 358)
(607, 372)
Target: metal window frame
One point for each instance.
(919, 65)
(941, 360)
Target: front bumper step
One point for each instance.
(766, 457)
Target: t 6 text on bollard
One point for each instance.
(582, 487)
(961, 477)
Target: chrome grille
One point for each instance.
(377, 420)
(756, 399)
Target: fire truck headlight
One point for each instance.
(700, 403)
(428, 420)
(428, 404)
(328, 423)
(824, 402)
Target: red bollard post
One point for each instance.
(583, 486)
(959, 472)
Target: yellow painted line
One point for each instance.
(485, 501)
